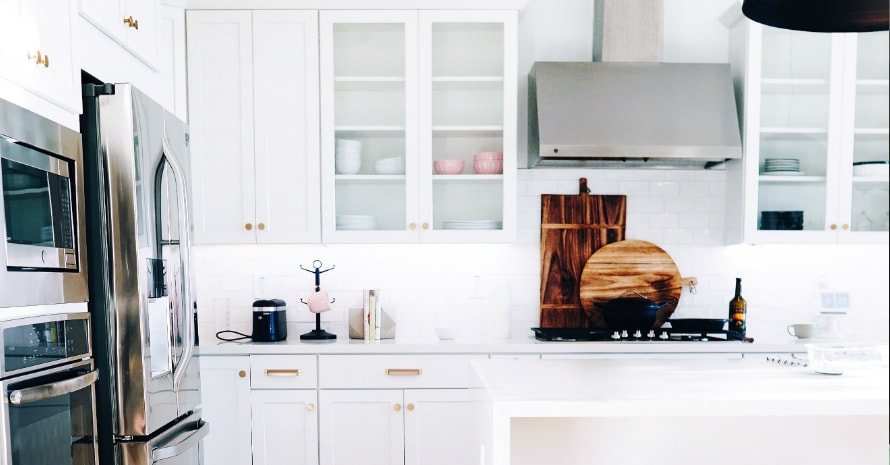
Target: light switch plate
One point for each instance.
(828, 300)
(842, 299)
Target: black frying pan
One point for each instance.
(697, 325)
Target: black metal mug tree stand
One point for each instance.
(317, 334)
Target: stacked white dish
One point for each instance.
(472, 224)
(878, 168)
(348, 156)
(391, 165)
(781, 167)
(356, 222)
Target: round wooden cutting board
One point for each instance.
(630, 268)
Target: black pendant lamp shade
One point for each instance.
(820, 15)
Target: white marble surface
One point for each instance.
(712, 406)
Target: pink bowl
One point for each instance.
(489, 156)
(488, 166)
(448, 166)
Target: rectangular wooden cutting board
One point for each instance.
(573, 227)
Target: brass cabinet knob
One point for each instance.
(39, 58)
(833, 227)
(131, 22)
(410, 407)
(845, 227)
(248, 226)
(261, 226)
(310, 407)
(412, 226)
(242, 373)
(425, 226)
(397, 407)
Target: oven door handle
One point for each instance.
(50, 390)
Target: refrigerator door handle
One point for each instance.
(179, 370)
(180, 443)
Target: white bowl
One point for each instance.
(446, 334)
(879, 169)
(348, 165)
(392, 165)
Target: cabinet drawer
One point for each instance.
(283, 372)
(396, 371)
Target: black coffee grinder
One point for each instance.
(269, 320)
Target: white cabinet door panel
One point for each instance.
(361, 427)
(285, 427)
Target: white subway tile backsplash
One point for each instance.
(683, 211)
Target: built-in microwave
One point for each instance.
(41, 218)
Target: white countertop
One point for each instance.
(680, 411)
(525, 344)
(706, 386)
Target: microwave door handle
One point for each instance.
(51, 390)
(179, 369)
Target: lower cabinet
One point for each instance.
(225, 405)
(283, 410)
(397, 409)
(339, 409)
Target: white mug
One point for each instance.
(802, 330)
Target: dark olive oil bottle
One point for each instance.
(738, 309)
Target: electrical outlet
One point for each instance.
(476, 288)
(828, 300)
(259, 286)
(842, 299)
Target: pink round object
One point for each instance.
(488, 166)
(448, 166)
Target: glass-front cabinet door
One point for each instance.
(816, 135)
(866, 199)
(418, 126)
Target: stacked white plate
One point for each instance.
(472, 224)
(781, 166)
(391, 165)
(356, 222)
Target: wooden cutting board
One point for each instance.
(631, 268)
(573, 227)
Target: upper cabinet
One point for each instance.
(131, 23)
(37, 54)
(253, 113)
(401, 90)
(815, 111)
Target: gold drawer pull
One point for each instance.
(261, 226)
(131, 22)
(272, 372)
(410, 407)
(403, 371)
(248, 226)
(242, 373)
(397, 407)
(310, 407)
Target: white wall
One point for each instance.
(681, 211)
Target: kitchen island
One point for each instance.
(678, 411)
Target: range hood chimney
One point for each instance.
(627, 108)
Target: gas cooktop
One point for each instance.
(607, 335)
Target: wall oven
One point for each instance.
(41, 211)
(48, 413)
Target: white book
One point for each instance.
(366, 314)
(378, 316)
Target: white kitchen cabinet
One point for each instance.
(38, 58)
(131, 23)
(226, 406)
(283, 410)
(396, 409)
(821, 99)
(422, 86)
(253, 112)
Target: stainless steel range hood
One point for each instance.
(632, 113)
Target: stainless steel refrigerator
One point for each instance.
(138, 222)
